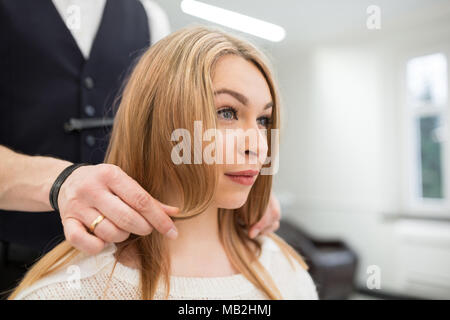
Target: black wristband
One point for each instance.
(54, 191)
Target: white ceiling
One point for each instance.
(310, 21)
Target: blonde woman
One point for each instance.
(194, 75)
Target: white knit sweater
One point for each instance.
(86, 277)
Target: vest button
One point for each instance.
(89, 82)
(89, 110)
(90, 140)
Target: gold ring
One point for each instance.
(96, 222)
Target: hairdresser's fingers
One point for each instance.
(86, 188)
(260, 225)
(81, 192)
(147, 206)
(132, 193)
(270, 229)
(78, 237)
(270, 218)
(136, 197)
(119, 213)
(105, 229)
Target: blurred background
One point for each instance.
(364, 166)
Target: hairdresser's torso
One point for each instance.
(64, 59)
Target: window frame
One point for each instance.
(412, 203)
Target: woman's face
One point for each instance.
(243, 101)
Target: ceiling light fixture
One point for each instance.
(234, 20)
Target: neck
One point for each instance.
(200, 231)
(197, 251)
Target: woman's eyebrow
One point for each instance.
(239, 96)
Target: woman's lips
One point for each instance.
(246, 177)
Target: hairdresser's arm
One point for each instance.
(270, 222)
(25, 180)
(25, 183)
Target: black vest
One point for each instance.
(45, 81)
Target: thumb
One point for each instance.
(255, 229)
(168, 209)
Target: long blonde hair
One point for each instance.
(169, 88)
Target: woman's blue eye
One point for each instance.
(264, 121)
(230, 113)
(227, 113)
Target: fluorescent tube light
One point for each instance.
(234, 20)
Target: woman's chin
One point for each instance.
(234, 201)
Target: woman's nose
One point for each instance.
(255, 145)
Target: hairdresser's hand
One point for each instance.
(105, 189)
(270, 221)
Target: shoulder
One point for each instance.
(84, 277)
(158, 20)
(293, 280)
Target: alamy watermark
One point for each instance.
(74, 278)
(73, 17)
(373, 21)
(215, 142)
(374, 278)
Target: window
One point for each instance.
(427, 109)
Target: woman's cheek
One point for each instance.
(228, 147)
